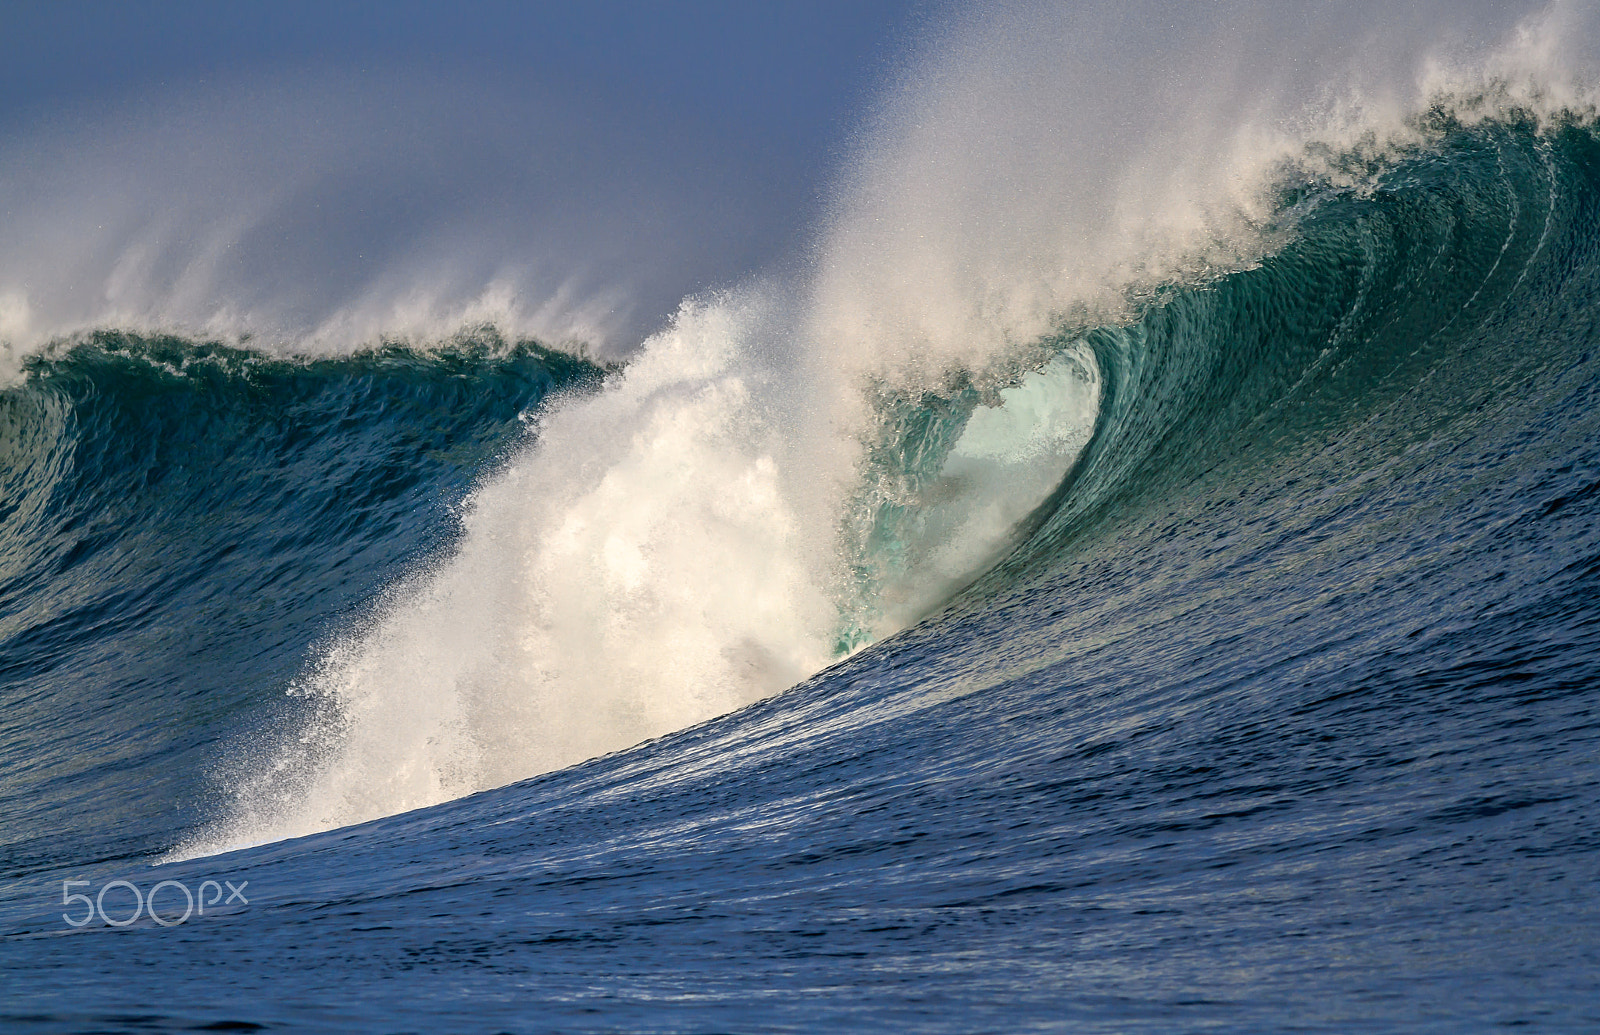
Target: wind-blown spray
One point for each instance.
(745, 500)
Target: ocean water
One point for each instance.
(1159, 602)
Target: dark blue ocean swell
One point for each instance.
(1282, 718)
(181, 521)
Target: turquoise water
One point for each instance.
(1273, 707)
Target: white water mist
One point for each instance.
(669, 549)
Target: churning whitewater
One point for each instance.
(1137, 572)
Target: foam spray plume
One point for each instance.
(320, 213)
(741, 502)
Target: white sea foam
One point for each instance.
(1045, 157)
(669, 549)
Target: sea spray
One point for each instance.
(694, 538)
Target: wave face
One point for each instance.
(181, 521)
(1205, 642)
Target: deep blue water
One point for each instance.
(1281, 716)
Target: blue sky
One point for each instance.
(743, 64)
(707, 132)
(791, 74)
